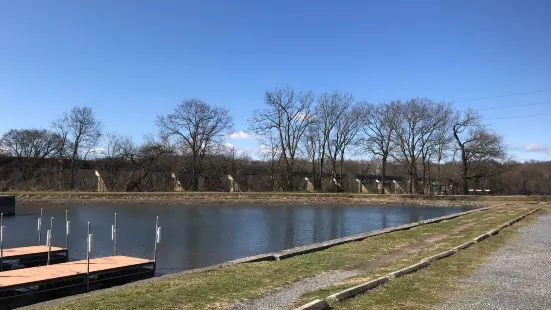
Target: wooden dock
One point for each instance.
(31, 256)
(30, 285)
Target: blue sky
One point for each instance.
(133, 60)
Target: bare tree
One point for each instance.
(481, 150)
(142, 159)
(338, 127)
(82, 131)
(270, 152)
(378, 125)
(442, 144)
(198, 126)
(415, 125)
(440, 116)
(287, 115)
(330, 109)
(116, 152)
(29, 148)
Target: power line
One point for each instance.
(514, 106)
(503, 96)
(521, 116)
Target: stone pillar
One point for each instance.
(397, 188)
(101, 184)
(308, 186)
(230, 184)
(361, 187)
(177, 185)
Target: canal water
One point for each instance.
(198, 236)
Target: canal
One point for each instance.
(198, 236)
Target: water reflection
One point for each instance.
(197, 236)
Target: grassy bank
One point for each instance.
(433, 285)
(53, 197)
(223, 287)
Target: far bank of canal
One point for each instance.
(198, 236)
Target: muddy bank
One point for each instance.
(267, 198)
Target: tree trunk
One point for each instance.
(383, 172)
(464, 172)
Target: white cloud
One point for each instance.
(229, 145)
(241, 135)
(536, 148)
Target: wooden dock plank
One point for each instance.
(29, 250)
(43, 273)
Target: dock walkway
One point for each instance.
(31, 256)
(30, 285)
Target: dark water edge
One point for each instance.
(199, 236)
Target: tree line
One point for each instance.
(328, 135)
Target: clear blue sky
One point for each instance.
(133, 60)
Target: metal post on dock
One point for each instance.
(88, 251)
(39, 229)
(49, 245)
(1, 241)
(114, 236)
(49, 240)
(157, 241)
(67, 233)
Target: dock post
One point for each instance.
(40, 225)
(88, 251)
(49, 239)
(114, 236)
(67, 233)
(1, 241)
(157, 241)
(49, 244)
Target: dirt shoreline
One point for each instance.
(265, 198)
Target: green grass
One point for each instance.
(223, 287)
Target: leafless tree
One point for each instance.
(443, 144)
(338, 125)
(198, 126)
(480, 150)
(82, 131)
(142, 159)
(330, 108)
(287, 114)
(440, 116)
(415, 125)
(378, 124)
(29, 148)
(269, 151)
(116, 151)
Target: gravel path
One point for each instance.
(283, 298)
(518, 277)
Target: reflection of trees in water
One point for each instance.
(413, 215)
(289, 227)
(317, 225)
(335, 212)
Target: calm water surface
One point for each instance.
(198, 236)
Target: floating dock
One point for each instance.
(32, 256)
(27, 286)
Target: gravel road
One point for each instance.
(282, 299)
(518, 277)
